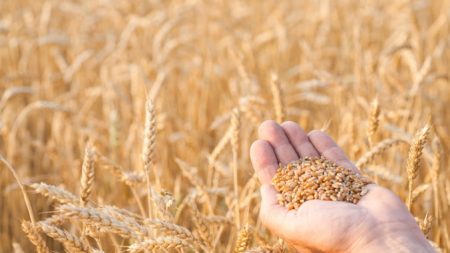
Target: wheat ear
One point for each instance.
(55, 193)
(160, 243)
(373, 122)
(148, 150)
(87, 174)
(425, 226)
(203, 229)
(70, 241)
(34, 237)
(414, 158)
(103, 221)
(243, 239)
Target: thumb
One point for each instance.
(275, 217)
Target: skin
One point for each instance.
(380, 222)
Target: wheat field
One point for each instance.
(128, 123)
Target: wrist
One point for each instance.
(409, 241)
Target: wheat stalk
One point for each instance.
(94, 217)
(379, 149)
(435, 175)
(220, 147)
(277, 98)
(218, 220)
(22, 189)
(384, 173)
(130, 178)
(235, 125)
(17, 248)
(191, 174)
(419, 190)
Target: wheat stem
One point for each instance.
(277, 98)
(235, 123)
(24, 193)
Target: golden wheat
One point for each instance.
(194, 77)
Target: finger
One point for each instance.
(264, 160)
(274, 134)
(274, 216)
(299, 139)
(329, 149)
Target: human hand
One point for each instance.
(378, 222)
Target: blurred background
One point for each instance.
(78, 71)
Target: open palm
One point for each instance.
(380, 217)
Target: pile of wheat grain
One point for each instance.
(317, 178)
